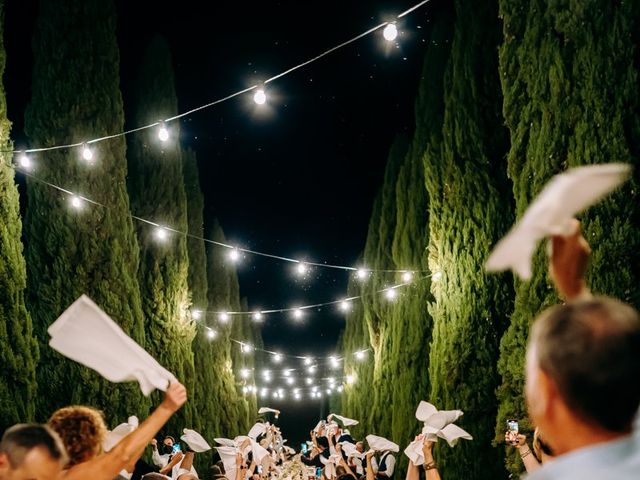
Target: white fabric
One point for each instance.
(159, 460)
(268, 410)
(346, 422)
(114, 436)
(195, 441)
(177, 470)
(257, 430)
(381, 444)
(350, 450)
(225, 442)
(86, 334)
(318, 426)
(551, 212)
(228, 457)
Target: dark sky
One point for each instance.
(298, 178)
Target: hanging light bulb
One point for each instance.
(211, 333)
(260, 97)
(311, 369)
(286, 373)
(244, 373)
(163, 133)
(223, 317)
(257, 316)
(362, 274)
(351, 379)
(318, 394)
(331, 380)
(314, 388)
(264, 392)
(234, 255)
(161, 233)
(87, 153)
(277, 357)
(244, 390)
(345, 305)
(76, 202)
(329, 391)
(339, 389)
(298, 314)
(196, 314)
(309, 381)
(390, 293)
(335, 363)
(266, 373)
(302, 269)
(437, 276)
(308, 360)
(25, 161)
(390, 32)
(246, 348)
(407, 277)
(290, 381)
(360, 355)
(296, 396)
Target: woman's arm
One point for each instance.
(413, 472)
(370, 473)
(109, 465)
(430, 468)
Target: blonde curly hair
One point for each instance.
(82, 430)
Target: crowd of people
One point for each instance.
(582, 392)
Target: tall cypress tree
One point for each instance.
(470, 211)
(76, 97)
(570, 82)
(157, 191)
(18, 346)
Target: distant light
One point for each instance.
(257, 316)
(246, 348)
(391, 293)
(234, 255)
(437, 276)
(260, 97)
(163, 133)
(161, 233)
(298, 313)
(329, 391)
(362, 274)
(309, 381)
(331, 380)
(277, 357)
(275, 395)
(245, 390)
(244, 373)
(211, 333)
(407, 277)
(87, 153)
(302, 269)
(345, 305)
(266, 373)
(76, 202)
(308, 360)
(290, 381)
(264, 392)
(335, 363)
(286, 373)
(318, 394)
(223, 317)
(340, 389)
(311, 369)
(296, 396)
(196, 314)
(314, 389)
(351, 379)
(25, 161)
(360, 354)
(390, 32)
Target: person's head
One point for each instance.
(360, 447)
(582, 370)
(167, 445)
(541, 450)
(31, 451)
(82, 430)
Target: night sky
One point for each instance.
(297, 178)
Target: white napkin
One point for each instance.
(228, 457)
(195, 441)
(268, 410)
(257, 430)
(347, 422)
(114, 436)
(225, 442)
(350, 450)
(86, 334)
(381, 444)
(551, 213)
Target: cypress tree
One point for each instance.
(76, 97)
(18, 346)
(469, 212)
(569, 75)
(157, 191)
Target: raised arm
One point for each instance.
(568, 264)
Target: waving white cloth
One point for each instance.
(228, 457)
(257, 430)
(551, 212)
(268, 410)
(350, 450)
(436, 424)
(195, 441)
(346, 422)
(381, 444)
(114, 436)
(86, 334)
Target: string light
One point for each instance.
(311, 369)
(286, 373)
(163, 133)
(335, 363)
(345, 306)
(247, 348)
(407, 277)
(390, 32)
(362, 274)
(257, 316)
(360, 355)
(391, 293)
(264, 392)
(290, 380)
(302, 269)
(309, 381)
(76, 202)
(298, 313)
(196, 314)
(437, 276)
(296, 396)
(244, 373)
(351, 380)
(260, 97)
(277, 358)
(234, 255)
(25, 161)
(223, 317)
(87, 153)
(211, 333)
(340, 389)
(307, 360)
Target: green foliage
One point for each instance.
(570, 98)
(157, 192)
(76, 96)
(18, 346)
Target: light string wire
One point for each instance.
(297, 357)
(224, 99)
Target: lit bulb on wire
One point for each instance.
(302, 269)
(196, 314)
(257, 316)
(211, 333)
(234, 255)
(436, 276)
(277, 357)
(391, 293)
(407, 277)
(161, 233)
(76, 202)
(298, 314)
(345, 306)
(390, 32)
(163, 133)
(260, 97)
(360, 355)
(25, 161)
(244, 373)
(224, 317)
(87, 153)
(362, 274)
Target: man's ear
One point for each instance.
(5, 466)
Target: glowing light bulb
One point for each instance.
(391, 293)
(211, 333)
(25, 161)
(76, 202)
(335, 363)
(87, 153)
(345, 305)
(308, 360)
(234, 255)
(223, 317)
(329, 391)
(163, 133)
(309, 381)
(296, 396)
(260, 97)
(277, 358)
(266, 373)
(311, 369)
(290, 381)
(244, 373)
(318, 394)
(407, 277)
(360, 355)
(286, 373)
(362, 274)
(257, 316)
(298, 313)
(264, 392)
(161, 233)
(331, 380)
(302, 269)
(437, 276)
(351, 379)
(390, 32)
(340, 389)
(246, 348)
(196, 314)
(244, 390)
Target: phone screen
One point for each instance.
(512, 425)
(259, 469)
(176, 448)
(303, 447)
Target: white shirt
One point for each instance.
(619, 460)
(159, 460)
(390, 462)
